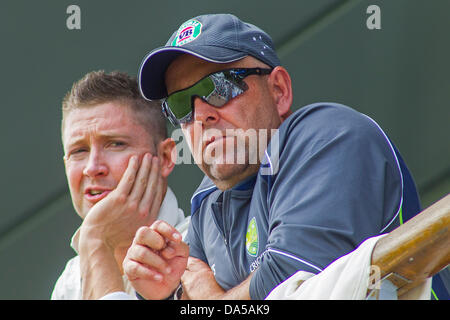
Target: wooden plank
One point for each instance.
(416, 250)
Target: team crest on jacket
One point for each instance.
(251, 238)
(187, 32)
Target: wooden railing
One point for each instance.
(416, 250)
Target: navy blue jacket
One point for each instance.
(331, 179)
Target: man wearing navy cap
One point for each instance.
(328, 179)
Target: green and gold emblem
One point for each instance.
(251, 238)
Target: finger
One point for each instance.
(174, 249)
(147, 257)
(152, 198)
(134, 270)
(141, 180)
(148, 237)
(166, 230)
(158, 188)
(126, 182)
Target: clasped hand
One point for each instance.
(156, 260)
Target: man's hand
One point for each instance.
(156, 260)
(133, 203)
(111, 224)
(199, 282)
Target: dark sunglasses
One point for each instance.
(216, 89)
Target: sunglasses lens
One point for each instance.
(216, 89)
(226, 88)
(180, 102)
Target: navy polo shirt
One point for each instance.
(331, 179)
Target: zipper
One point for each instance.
(217, 212)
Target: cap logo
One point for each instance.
(187, 32)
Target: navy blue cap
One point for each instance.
(217, 38)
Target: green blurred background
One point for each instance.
(398, 75)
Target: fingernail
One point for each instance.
(176, 236)
(169, 250)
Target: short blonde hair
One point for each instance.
(98, 87)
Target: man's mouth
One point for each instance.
(210, 140)
(94, 195)
(213, 141)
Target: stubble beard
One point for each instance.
(234, 165)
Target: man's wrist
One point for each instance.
(99, 270)
(92, 237)
(175, 295)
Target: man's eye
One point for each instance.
(77, 153)
(79, 150)
(117, 144)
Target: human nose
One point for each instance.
(95, 165)
(204, 112)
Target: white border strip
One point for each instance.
(200, 191)
(399, 170)
(295, 258)
(270, 162)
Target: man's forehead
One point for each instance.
(109, 119)
(95, 115)
(79, 131)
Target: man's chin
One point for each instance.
(225, 176)
(83, 209)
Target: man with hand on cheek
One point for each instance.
(117, 158)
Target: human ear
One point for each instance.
(167, 156)
(280, 87)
